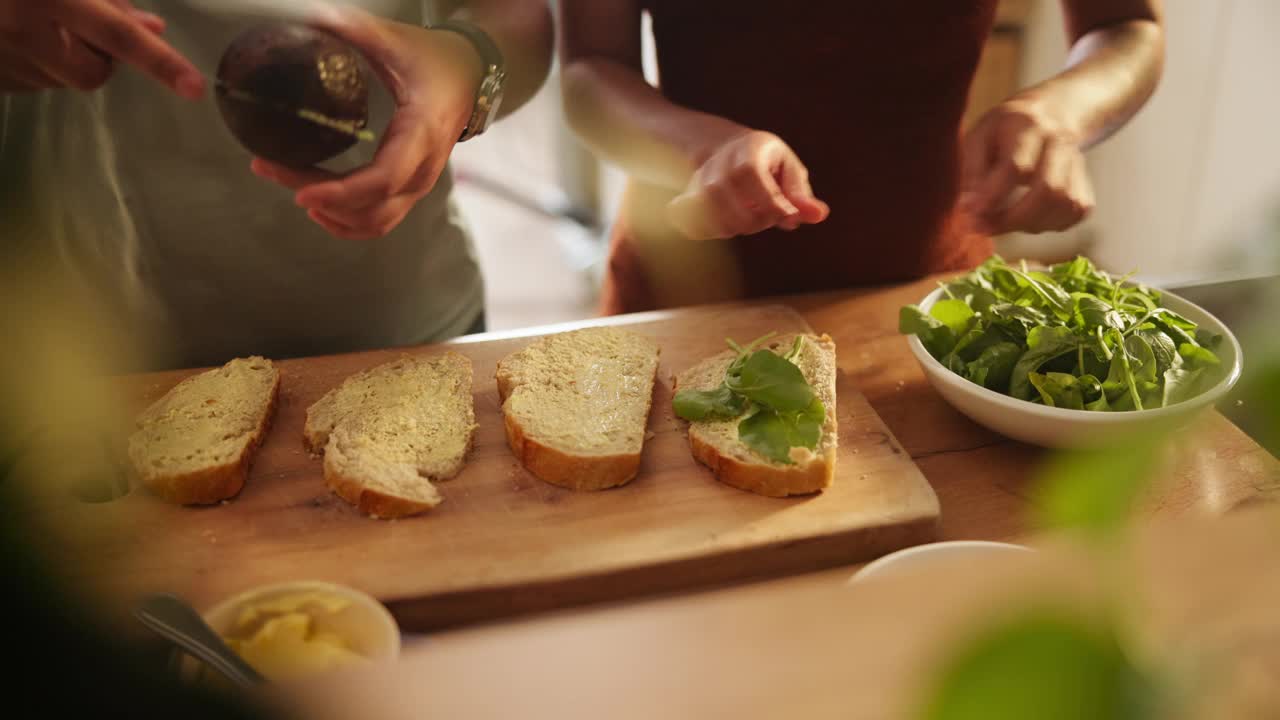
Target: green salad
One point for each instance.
(1069, 337)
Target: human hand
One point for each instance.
(1023, 171)
(751, 182)
(74, 43)
(433, 76)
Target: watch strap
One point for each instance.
(494, 73)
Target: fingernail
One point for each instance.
(191, 86)
(147, 17)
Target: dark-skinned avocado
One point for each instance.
(273, 75)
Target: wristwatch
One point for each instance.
(489, 96)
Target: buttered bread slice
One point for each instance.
(716, 444)
(194, 445)
(388, 432)
(576, 405)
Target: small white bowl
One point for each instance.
(364, 624)
(1063, 428)
(920, 557)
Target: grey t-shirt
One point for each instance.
(148, 198)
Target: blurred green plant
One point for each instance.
(1046, 664)
(67, 663)
(1096, 489)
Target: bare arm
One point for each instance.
(737, 181)
(616, 112)
(1035, 139)
(522, 30)
(1115, 63)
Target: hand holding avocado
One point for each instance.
(75, 43)
(433, 77)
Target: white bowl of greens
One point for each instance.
(1067, 356)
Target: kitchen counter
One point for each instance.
(807, 646)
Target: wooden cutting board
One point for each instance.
(504, 542)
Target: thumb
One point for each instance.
(794, 181)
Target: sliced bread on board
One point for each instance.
(194, 445)
(576, 405)
(716, 444)
(388, 432)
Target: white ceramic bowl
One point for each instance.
(1062, 428)
(364, 624)
(921, 557)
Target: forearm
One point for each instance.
(628, 122)
(522, 30)
(1111, 72)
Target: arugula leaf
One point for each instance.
(1099, 405)
(1058, 300)
(772, 433)
(1198, 357)
(937, 338)
(993, 368)
(772, 381)
(1166, 352)
(1091, 312)
(1058, 390)
(719, 404)
(1206, 339)
(1044, 343)
(794, 352)
(978, 339)
(955, 314)
(1142, 358)
(977, 294)
(1019, 319)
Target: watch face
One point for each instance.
(491, 91)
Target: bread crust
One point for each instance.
(377, 504)
(574, 472)
(221, 482)
(765, 479)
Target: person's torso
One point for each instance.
(870, 95)
(153, 200)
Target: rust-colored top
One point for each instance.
(870, 95)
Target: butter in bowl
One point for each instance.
(296, 630)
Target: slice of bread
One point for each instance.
(716, 444)
(194, 445)
(576, 405)
(388, 432)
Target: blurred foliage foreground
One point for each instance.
(1051, 662)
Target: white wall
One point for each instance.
(1192, 186)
